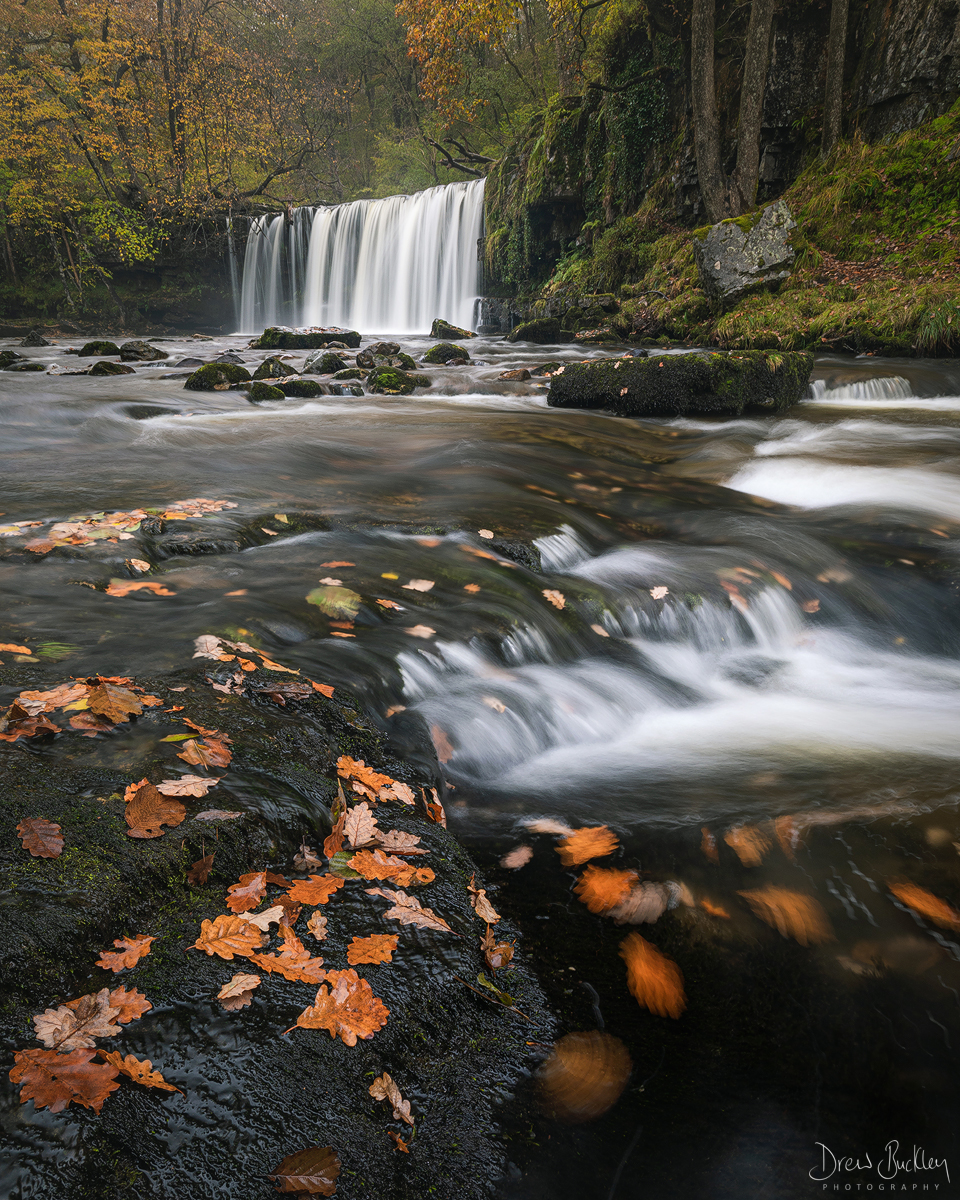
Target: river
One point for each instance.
(759, 620)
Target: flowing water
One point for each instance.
(759, 621)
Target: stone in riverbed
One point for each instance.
(263, 391)
(724, 384)
(745, 253)
(445, 332)
(323, 362)
(446, 352)
(25, 364)
(10, 356)
(389, 381)
(545, 368)
(272, 368)
(34, 338)
(98, 349)
(302, 389)
(277, 338)
(216, 377)
(138, 351)
(349, 373)
(545, 331)
(110, 368)
(519, 375)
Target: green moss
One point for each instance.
(97, 349)
(443, 352)
(284, 339)
(111, 368)
(390, 381)
(216, 377)
(304, 389)
(260, 391)
(272, 368)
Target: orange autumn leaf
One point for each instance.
(480, 904)
(42, 838)
(348, 1009)
(211, 752)
(123, 587)
(316, 890)
(374, 864)
(310, 1172)
(228, 935)
(355, 769)
(248, 892)
(748, 843)
(584, 1076)
(788, 835)
(792, 914)
(297, 965)
(53, 1080)
(117, 704)
(130, 951)
(238, 993)
(78, 1024)
(583, 844)
(148, 810)
(199, 873)
(654, 980)
(715, 910)
(378, 948)
(408, 910)
(139, 1070)
(58, 697)
(603, 888)
(442, 744)
(925, 903)
(13, 648)
(333, 842)
(130, 1005)
(323, 688)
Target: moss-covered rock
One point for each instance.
(272, 368)
(445, 332)
(349, 373)
(263, 391)
(390, 381)
(24, 364)
(98, 349)
(727, 384)
(140, 351)
(544, 331)
(276, 338)
(546, 368)
(302, 389)
(10, 356)
(445, 352)
(324, 362)
(216, 377)
(111, 368)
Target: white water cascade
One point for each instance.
(377, 266)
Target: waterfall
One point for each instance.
(378, 266)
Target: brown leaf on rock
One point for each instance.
(497, 954)
(435, 809)
(307, 858)
(397, 791)
(211, 752)
(360, 827)
(238, 993)
(584, 1076)
(16, 723)
(187, 785)
(602, 889)
(654, 980)
(316, 890)
(128, 954)
(355, 769)
(248, 892)
(925, 903)
(480, 904)
(378, 948)
(89, 725)
(199, 873)
(228, 935)
(269, 916)
(148, 810)
(749, 844)
(348, 1009)
(312, 1172)
(139, 1070)
(408, 910)
(130, 1005)
(374, 864)
(318, 925)
(383, 1088)
(58, 697)
(792, 914)
(54, 1080)
(398, 1142)
(77, 1025)
(42, 838)
(297, 965)
(581, 845)
(117, 704)
(396, 842)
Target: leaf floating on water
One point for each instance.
(557, 599)
(547, 825)
(130, 1005)
(42, 838)
(514, 859)
(658, 593)
(420, 631)
(209, 753)
(486, 533)
(140, 1071)
(312, 1171)
(645, 904)
(579, 846)
(408, 910)
(419, 585)
(123, 587)
(136, 564)
(316, 890)
(708, 845)
(383, 1088)
(603, 888)
(360, 827)
(77, 1025)
(148, 810)
(207, 646)
(13, 648)
(228, 935)
(584, 1076)
(810, 606)
(480, 904)
(348, 1009)
(54, 1080)
(117, 704)
(128, 954)
(248, 892)
(199, 873)
(792, 914)
(925, 903)
(378, 948)
(748, 843)
(654, 980)
(58, 697)
(336, 601)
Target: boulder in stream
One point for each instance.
(545, 331)
(444, 331)
(272, 368)
(302, 389)
(742, 254)
(10, 356)
(446, 352)
(24, 364)
(140, 351)
(34, 338)
(278, 338)
(98, 349)
(391, 381)
(323, 362)
(216, 377)
(260, 390)
(724, 384)
(110, 368)
(349, 373)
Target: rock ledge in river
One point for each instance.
(279, 338)
(445, 332)
(216, 377)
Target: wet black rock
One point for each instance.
(728, 384)
(383, 349)
(10, 356)
(259, 390)
(34, 338)
(547, 368)
(98, 349)
(229, 356)
(194, 543)
(144, 412)
(349, 373)
(545, 331)
(446, 352)
(25, 364)
(303, 389)
(344, 389)
(111, 368)
(152, 526)
(272, 368)
(139, 351)
(189, 362)
(323, 362)
(216, 377)
(276, 338)
(391, 381)
(745, 253)
(445, 332)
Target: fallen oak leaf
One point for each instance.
(350, 768)
(58, 697)
(296, 965)
(654, 980)
(238, 993)
(54, 1080)
(348, 1010)
(247, 893)
(919, 900)
(17, 723)
(187, 785)
(130, 1005)
(434, 808)
(208, 753)
(398, 1142)
(397, 791)
(312, 1171)
(228, 935)
(420, 631)
(497, 954)
(325, 689)
(547, 825)
(149, 809)
(645, 904)
(316, 890)
(377, 865)
(270, 916)
(139, 1070)
(77, 1025)
(714, 910)
(557, 599)
(383, 1088)
(408, 910)
(318, 925)
(333, 842)
(792, 914)
(360, 827)
(41, 837)
(602, 889)
(123, 587)
(394, 841)
(377, 948)
(480, 904)
(419, 585)
(579, 846)
(128, 954)
(199, 873)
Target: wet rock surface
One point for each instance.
(745, 253)
(277, 338)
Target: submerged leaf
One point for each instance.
(654, 980)
(792, 914)
(117, 704)
(584, 1076)
(336, 601)
(313, 1171)
(581, 845)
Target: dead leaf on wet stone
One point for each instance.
(312, 1172)
(139, 1070)
(131, 1005)
(396, 842)
(148, 810)
(42, 838)
(480, 904)
(497, 954)
(207, 753)
(269, 916)
(238, 993)
(377, 865)
(316, 890)
(306, 858)
(318, 925)
(247, 893)
(217, 814)
(229, 935)
(351, 768)
(54, 1080)
(128, 953)
(384, 1088)
(360, 827)
(77, 1025)
(581, 845)
(408, 910)
(378, 948)
(117, 704)
(348, 1009)
(199, 873)
(187, 785)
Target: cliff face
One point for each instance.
(590, 161)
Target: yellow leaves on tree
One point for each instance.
(654, 980)
(581, 845)
(792, 914)
(925, 903)
(348, 1009)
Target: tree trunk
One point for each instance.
(706, 125)
(743, 185)
(833, 93)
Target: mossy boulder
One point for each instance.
(111, 368)
(98, 349)
(324, 362)
(445, 352)
(25, 364)
(546, 368)
(726, 384)
(349, 373)
(390, 381)
(10, 356)
(140, 351)
(263, 391)
(276, 338)
(272, 368)
(446, 332)
(216, 377)
(302, 389)
(34, 338)
(545, 331)
(745, 253)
